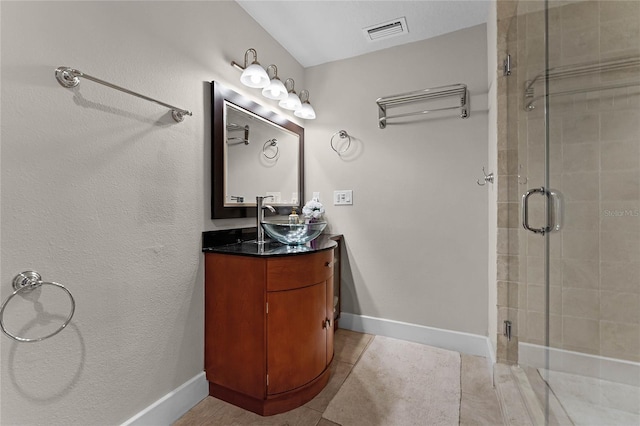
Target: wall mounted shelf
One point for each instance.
(458, 91)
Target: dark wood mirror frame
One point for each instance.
(219, 95)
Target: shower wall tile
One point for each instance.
(620, 125)
(620, 155)
(509, 314)
(620, 246)
(620, 36)
(581, 129)
(580, 245)
(582, 186)
(620, 276)
(620, 216)
(579, 15)
(508, 349)
(555, 245)
(507, 242)
(508, 188)
(581, 303)
(535, 245)
(581, 274)
(536, 329)
(581, 334)
(535, 54)
(536, 271)
(508, 162)
(578, 46)
(509, 294)
(508, 268)
(555, 330)
(622, 185)
(620, 340)
(536, 326)
(580, 157)
(620, 307)
(536, 299)
(610, 10)
(536, 158)
(508, 215)
(581, 216)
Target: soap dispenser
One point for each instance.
(293, 217)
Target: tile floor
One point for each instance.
(478, 402)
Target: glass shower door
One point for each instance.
(581, 314)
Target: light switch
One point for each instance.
(343, 197)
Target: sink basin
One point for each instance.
(291, 234)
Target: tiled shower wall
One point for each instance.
(594, 162)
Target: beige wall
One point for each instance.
(105, 193)
(416, 234)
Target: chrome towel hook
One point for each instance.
(487, 178)
(24, 283)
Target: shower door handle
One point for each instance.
(525, 210)
(556, 213)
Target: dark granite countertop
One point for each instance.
(241, 241)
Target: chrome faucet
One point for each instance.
(260, 216)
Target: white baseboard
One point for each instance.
(173, 405)
(610, 369)
(467, 343)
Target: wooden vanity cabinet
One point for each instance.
(268, 328)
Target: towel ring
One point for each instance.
(343, 134)
(25, 282)
(270, 142)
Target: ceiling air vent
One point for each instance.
(387, 29)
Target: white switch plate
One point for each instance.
(343, 197)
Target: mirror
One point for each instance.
(254, 152)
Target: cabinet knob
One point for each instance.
(328, 264)
(326, 323)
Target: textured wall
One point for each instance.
(416, 234)
(106, 194)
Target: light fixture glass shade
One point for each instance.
(305, 111)
(275, 90)
(291, 102)
(254, 76)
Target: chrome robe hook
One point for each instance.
(487, 178)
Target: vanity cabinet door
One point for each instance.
(296, 337)
(235, 342)
(329, 313)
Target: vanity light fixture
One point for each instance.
(276, 89)
(305, 111)
(253, 75)
(292, 101)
